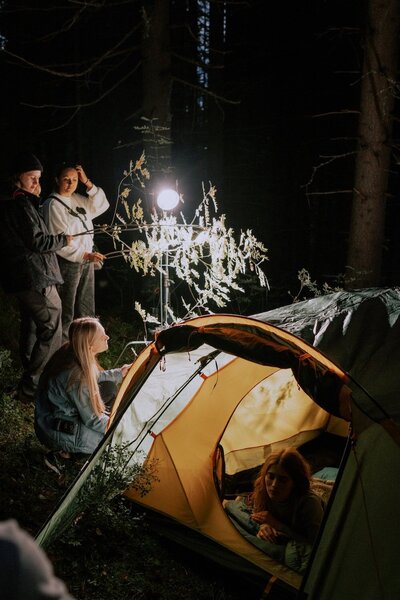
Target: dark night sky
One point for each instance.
(287, 62)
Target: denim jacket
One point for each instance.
(63, 401)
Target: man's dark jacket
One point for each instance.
(27, 248)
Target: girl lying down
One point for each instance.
(282, 515)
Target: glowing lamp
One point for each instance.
(168, 199)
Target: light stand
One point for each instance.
(164, 290)
(167, 200)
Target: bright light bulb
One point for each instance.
(168, 199)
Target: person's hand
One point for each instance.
(260, 516)
(125, 369)
(268, 533)
(265, 516)
(69, 239)
(94, 257)
(37, 189)
(83, 178)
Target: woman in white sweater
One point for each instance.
(66, 211)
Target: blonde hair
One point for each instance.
(86, 369)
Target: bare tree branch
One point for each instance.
(330, 159)
(86, 104)
(345, 111)
(330, 193)
(205, 91)
(75, 112)
(76, 75)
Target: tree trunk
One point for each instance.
(156, 57)
(215, 112)
(374, 151)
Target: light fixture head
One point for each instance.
(168, 199)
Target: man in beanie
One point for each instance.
(29, 270)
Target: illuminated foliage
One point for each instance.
(204, 252)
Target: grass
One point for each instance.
(113, 552)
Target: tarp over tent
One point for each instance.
(230, 389)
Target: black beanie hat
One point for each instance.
(24, 162)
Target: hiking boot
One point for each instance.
(24, 398)
(56, 461)
(26, 392)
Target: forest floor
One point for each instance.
(109, 555)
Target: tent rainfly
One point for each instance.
(211, 397)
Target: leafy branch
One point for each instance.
(307, 284)
(117, 470)
(203, 253)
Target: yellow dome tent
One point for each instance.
(209, 399)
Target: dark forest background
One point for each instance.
(263, 101)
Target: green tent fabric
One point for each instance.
(358, 330)
(357, 553)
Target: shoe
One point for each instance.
(24, 398)
(26, 391)
(55, 461)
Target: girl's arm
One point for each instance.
(115, 375)
(88, 417)
(306, 519)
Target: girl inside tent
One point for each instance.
(282, 515)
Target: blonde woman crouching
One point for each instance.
(70, 413)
